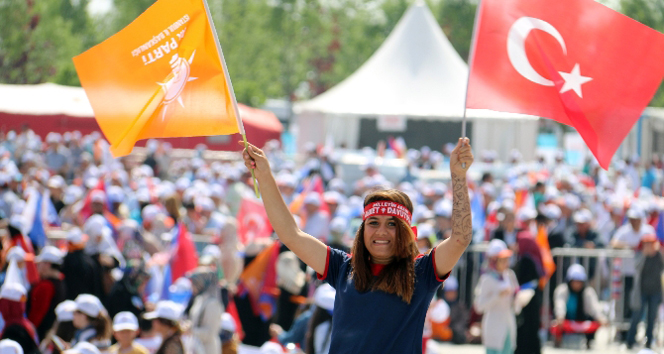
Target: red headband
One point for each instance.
(388, 208)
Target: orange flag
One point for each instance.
(161, 76)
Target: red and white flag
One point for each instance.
(252, 221)
(573, 61)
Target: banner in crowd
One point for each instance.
(574, 61)
(161, 76)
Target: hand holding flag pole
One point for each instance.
(232, 92)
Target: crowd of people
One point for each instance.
(94, 249)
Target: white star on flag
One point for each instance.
(574, 80)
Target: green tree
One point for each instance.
(457, 18)
(651, 14)
(36, 43)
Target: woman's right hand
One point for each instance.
(254, 159)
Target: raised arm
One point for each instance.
(449, 251)
(309, 249)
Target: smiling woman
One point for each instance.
(383, 290)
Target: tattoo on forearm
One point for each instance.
(462, 224)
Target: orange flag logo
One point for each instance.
(162, 76)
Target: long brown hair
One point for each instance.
(398, 277)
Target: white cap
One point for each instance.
(83, 348)
(425, 231)
(526, 213)
(182, 184)
(338, 225)
(75, 235)
(53, 137)
(583, 216)
(94, 225)
(65, 311)
(635, 213)
(16, 221)
(333, 197)
(312, 199)
(150, 212)
(56, 182)
(576, 272)
(89, 305)
(451, 284)
(115, 194)
(324, 297)
(98, 196)
(551, 211)
(271, 348)
(498, 248)
(125, 320)
(16, 253)
(50, 254)
(143, 195)
(443, 208)
(204, 204)
(212, 250)
(12, 291)
(8, 346)
(227, 322)
(167, 310)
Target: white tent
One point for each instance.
(416, 74)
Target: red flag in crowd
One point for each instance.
(86, 209)
(573, 61)
(185, 257)
(252, 221)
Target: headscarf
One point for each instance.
(528, 248)
(134, 275)
(204, 280)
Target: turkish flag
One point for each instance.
(253, 222)
(574, 61)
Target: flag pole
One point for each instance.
(240, 124)
(471, 57)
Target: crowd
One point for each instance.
(127, 277)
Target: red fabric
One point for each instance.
(584, 327)
(40, 301)
(582, 37)
(377, 268)
(30, 267)
(327, 266)
(232, 310)
(86, 210)
(435, 270)
(253, 222)
(185, 257)
(13, 313)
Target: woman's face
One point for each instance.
(502, 264)
(80, 320)
(380, 236)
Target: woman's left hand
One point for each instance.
(461, 156)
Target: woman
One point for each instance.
(165, 319)
(528, 270)
(206, 309)
(63, 328)
(46, 294)
(385, 270)
(127, 294)
(575, 302)
(16, 326)
(494, 297)
(320, 328)
(91, 322)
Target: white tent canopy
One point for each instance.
(415, 73)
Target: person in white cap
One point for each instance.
(494, 298)
(629, 236)
(16, 326)
(647, 292)
(228, 335)
(317, 224)
(8, 346)
(125, 328)
(91, 321)
(83, 348)
(338, 229)
(82, 275)
(165, 320)
(385, 261)
(585, 236)
(56, 185)
(425, 233)
(48, 292)
(320, 327)
(575, 301)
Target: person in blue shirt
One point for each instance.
(385, 287)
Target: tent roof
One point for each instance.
(52, 99)
(416, 73)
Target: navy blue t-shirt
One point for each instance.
(375, 321)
